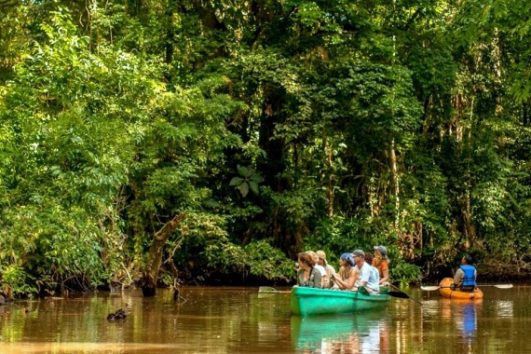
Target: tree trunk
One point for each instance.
(169, 39)
(330, 179)
(150, 274)
(469, 228)
(273, 165)
(396, 183)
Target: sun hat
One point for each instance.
(321, 255)
(381, 249)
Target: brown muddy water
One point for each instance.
(239, 320)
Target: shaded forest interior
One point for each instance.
(211, 141)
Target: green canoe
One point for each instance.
(313, 301)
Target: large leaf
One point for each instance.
(245, 171)
(253, 186)
(244, 189)
(236, 181)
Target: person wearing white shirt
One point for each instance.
(366, 277)
(375, 274)
(328, 278)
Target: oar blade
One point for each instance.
(270, 290)
(267, 289)
(429, 288)
(398, 294)
(503, 286)
(499, 286)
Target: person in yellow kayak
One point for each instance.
(465, 276)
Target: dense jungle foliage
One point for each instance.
(210, 141)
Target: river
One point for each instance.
(239, 320)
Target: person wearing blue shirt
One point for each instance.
(465, 276)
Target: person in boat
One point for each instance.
(465, 276)
(364, 274)
(375, 274)
(307, 274)
(317, 265)
(381, 262)
(327, 281)
(346, 277)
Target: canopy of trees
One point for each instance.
(213, 140)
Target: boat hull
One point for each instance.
(312, 301)
(448, 293)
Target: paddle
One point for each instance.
(435, 287)
(270, 290)
(363, 290)
(400, 294)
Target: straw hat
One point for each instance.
(321, 255)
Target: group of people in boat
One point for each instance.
(363, 269)
(357, 269)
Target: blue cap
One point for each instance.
(347, 257)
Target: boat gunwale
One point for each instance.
(337, 293)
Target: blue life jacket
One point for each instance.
(469, 279)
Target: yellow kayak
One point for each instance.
(447, 292)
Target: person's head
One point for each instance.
(467, 259)
(322, 257)
(346, 260)
(305, 260)
(368, 257)
(314, 257)
(380, 252)
(359, 257)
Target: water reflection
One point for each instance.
(360, 333)
(467, 323)
(430, 308)
(504, 308)
(463, 313)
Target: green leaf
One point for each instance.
(244, 171)
(244, 189)
(236, 181)
(256, 178)
(253, 186)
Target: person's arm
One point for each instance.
(375, 278)
(300, 278)
(458, 277)
(331, 269)
(348, 283)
